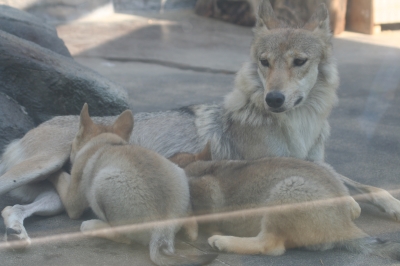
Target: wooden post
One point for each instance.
(337, 10)
(360, 16)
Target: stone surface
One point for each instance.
(141, 6)
(48, 84)
(56, 11)
(14, 121)
(31, 28)
(237, 12)
(176, 39)
(173, 88)
(364, 144)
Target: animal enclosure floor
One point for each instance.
(180, 59)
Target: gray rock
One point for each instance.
(49, 84)
(14, 121)
(31, 28)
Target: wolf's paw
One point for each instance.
(17, 238)
(218, 242)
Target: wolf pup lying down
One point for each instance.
(125, 184)
(279, 107)
(269, 205)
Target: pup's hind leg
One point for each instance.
(33, 169)
(376, 196)
(98, 228)
(47, 203)
(262, 244)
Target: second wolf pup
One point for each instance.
(269, 205)
(125, 184)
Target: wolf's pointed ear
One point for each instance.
(266, 16)
(205, 154)
(123, 125)
(319, 21)
(85, 120)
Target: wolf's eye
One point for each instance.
(264, 62)
(299, 62)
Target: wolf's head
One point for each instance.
(288, 59)
(122, 127)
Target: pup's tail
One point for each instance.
(162, 251)
(10, 156)
(373, 246)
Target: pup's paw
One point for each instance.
(87, 228)
(219, 242)
(97, 228)
(15, 235)
(17, 238)
(191, 229)
(388, 204)
(394, 209)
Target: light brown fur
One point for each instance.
(242, 127)
(124, 185)
(269, 205)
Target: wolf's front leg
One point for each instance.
(317, 152)
(68, 187)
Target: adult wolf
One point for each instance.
(279, 107)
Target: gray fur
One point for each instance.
(242, 127)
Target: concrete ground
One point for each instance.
(180, 59)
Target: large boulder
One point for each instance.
(14, 121)
(31, 28)
(49, 84)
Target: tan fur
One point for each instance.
(123, 184)
(272, 204)
(242, 127)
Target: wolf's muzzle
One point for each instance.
(275, 99)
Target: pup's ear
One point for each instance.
(123, 125)
(85, 120)
(266, 16)
(182, 159)
(319, 21)
(205, 154)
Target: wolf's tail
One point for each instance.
(373, 246)
(162, 251)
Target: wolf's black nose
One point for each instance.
(275, 99)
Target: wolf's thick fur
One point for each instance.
(268, 205)
(294, 64)
(125, 184)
